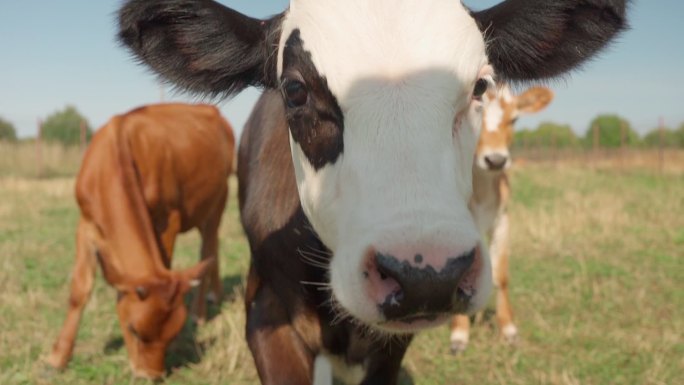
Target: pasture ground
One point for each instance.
(597, 286)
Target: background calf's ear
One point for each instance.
(200, 45)
(534, 99)
(541, 39)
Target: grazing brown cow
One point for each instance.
(148, 175)
(491, 193)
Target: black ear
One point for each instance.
(200, 45)
(541, 39)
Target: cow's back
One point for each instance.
(183, 154)
(155, 159)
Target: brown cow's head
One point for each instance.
(383, 101)
(151, 314)
(501, 109)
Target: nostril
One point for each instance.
(495, 161)
(388, 266)
(382, 287)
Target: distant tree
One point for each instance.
(547, 134)
(7, 131)
(522, 137)
(65, 127)
(669, 138)
(679, 134)
(610, 127)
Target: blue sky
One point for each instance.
(54, 53)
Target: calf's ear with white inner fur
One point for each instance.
(533, 100)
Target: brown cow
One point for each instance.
(491, 193)
(148, 175)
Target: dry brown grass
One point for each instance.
(24, 160)
(669, 161)
(596, 286)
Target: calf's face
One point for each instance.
(383, 101)
(501, 110)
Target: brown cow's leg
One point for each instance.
(280, 355)
(212, 279)
(499, 254)
(460, 333)
(168, 236)
(81, 286)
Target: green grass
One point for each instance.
(597, 287)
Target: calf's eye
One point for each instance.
(296, 94)
(480, 88)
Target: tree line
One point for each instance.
(606, 131)
(63, 126)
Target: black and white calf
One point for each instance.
(355, 166)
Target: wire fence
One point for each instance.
(654, 160)
(37, 158)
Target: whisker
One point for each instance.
(313, 259)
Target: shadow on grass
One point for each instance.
(484, 317)
(185, 349)
(113, 345)
(404, 379)
(229, 284)
(182, 351)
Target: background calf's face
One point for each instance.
(150, 317)
(501, 110)
(152, 313)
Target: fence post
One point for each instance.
(623, 140)
(553, 147)
(83, 136)
(661, 145)
(39, 149)
(596, 144)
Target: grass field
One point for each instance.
(26, 159)
(597, 286)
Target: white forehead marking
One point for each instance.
(434, 42)
(493, 114)
(493, 111)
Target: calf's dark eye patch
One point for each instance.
(313, 113)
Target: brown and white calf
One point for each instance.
(355, 167)
(491, 194)
(148, 175)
